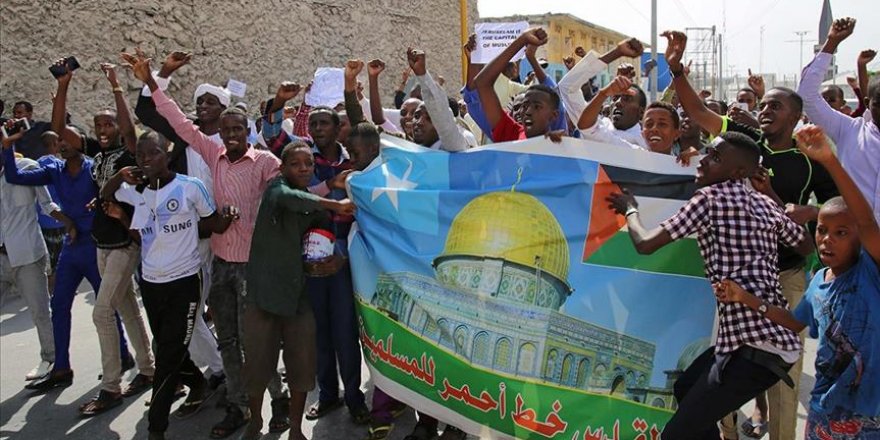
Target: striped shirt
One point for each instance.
(240, 183)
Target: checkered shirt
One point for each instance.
(301, 120)
(738, 231)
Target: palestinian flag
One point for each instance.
(660, 196)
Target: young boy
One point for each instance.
(841, 307)
(540, 105)
(169, 209)
(737, 231)
(277, 309)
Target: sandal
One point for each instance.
(754, 430)
(193, 402)
(422, 431)
(138, 385)
(234, 419)
(361, 415)
(280, 420)
(100, 403)
(379, 431)
(321, 409)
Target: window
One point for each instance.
(502, 355)
(480, 352)
(566, 369)
(525, 363)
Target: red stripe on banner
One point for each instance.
(603, 222)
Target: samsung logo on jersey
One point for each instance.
(178, 227)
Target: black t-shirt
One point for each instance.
(108, 232)
(794, 177)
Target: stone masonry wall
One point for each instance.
(259, 42)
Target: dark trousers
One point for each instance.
(332, 301)
(78, 260)
(171, 310)
(701, 404)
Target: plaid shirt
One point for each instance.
(301, 121)
(737, 230)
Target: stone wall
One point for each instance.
(259, 42)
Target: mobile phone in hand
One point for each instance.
(69, 65)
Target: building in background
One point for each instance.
(566, 32)
(260, 43)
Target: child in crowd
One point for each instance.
(277, 310)
(841, 307)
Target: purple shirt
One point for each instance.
(857, 139)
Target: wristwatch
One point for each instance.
(764, 307)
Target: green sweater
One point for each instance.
(275, 275)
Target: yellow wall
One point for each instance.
(567, 34)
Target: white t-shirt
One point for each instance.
(168, 222)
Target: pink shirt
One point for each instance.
(240, 183)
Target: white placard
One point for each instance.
(236, 88)
(327, 87)
(493, 38)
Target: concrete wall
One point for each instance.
(259, 42)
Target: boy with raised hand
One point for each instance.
(540, 105)
(169, 209)
(857, 139)
(841, 307)
(738, 231)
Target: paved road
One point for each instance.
(55, 416)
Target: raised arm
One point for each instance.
(618, 86)
(865, 57)
(59, 109)
(183, 127)
(353, 108)
(531, 55)
(819, 111)
(589, 66)
(145, 110)
(485, 80)
(375, 68)
(815, 145)
(123, 115)
(690, 101)
(437, 104)
(286, 91)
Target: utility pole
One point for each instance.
(800, 41)
(721, 92)
(761, 52)
(654, 84)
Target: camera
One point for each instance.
(16, 126)
(69, 65)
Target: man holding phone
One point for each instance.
(29, 145)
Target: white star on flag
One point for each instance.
(394, 184)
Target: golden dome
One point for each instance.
(512, 226)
